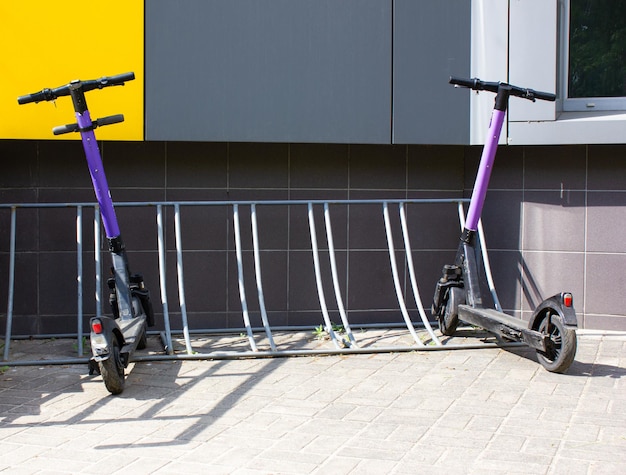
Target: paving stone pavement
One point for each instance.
(478, 411)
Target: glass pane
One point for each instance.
(597, 48)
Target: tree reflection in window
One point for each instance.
(597, 48)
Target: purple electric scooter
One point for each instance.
(113, 340)
(551, 330)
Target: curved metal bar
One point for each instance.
(483, 250)
(181, 282)
(162, 281)
(461, 215)
(318, 277)
(257, 273)
(242, 290)
(79, 279)
(333, 269)
(487, 266)
(396, 279)
(340, 342)
(97, 259)
(233, 355)
(7, 339)
(409, 260)
(239, 202)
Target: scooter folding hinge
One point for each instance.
(468, 236)
(116, 245)
(451, 273)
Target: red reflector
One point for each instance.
(568, 300)
(96, 326)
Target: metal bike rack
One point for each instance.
(349, 343)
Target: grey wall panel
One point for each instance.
(431, 42)
(269, 70)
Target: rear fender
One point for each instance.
(557, 304)
(101, 342)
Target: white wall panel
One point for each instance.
(489, 60)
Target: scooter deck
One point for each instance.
(502, 324)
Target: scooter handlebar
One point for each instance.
(475, 84)
(545, 96)
(43, 95)
(51, 94)
(525, 93)
(117, 80)
(111, 119)
(65, 129)
(68, 128)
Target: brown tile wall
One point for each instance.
(553, 221)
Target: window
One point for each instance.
(593, 70)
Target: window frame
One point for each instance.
(578, 104)
(520, 41)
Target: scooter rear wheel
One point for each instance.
(112, 370)
(561, 344)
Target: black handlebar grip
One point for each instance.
(25, 99)
(34, 97)
(65, 129)
(475, 84)
(119, 78)
(111, 119)
(545, 96)
(471, 83)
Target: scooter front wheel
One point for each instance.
(449, 319)
(561, 344)
(112, 370)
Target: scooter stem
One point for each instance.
(96, 168)
(103, 195)
(484, 170)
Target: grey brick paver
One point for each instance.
(469, 411)
(374, 466)
(265, 465)
(363, 414)
(336, 464)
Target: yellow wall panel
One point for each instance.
(45, 44)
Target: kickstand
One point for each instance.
(93, 368)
